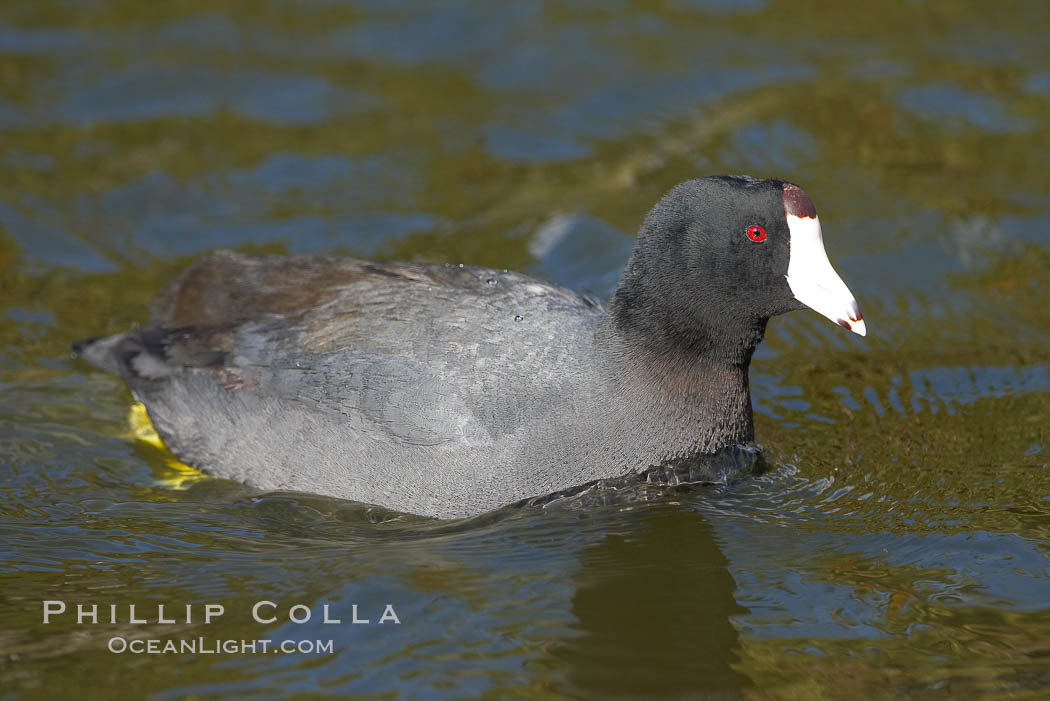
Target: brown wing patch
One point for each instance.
(227, 287)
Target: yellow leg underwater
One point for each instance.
(181, 475)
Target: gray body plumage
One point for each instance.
(449, 391)
(438, 390)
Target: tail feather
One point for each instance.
(128, 355)
(103, 352)
(153, 353)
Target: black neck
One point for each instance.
(695, 384)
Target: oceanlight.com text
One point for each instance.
(211, 646)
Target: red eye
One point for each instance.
(756, 233)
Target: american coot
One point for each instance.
(452, 390)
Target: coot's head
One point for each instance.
(716, 257)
